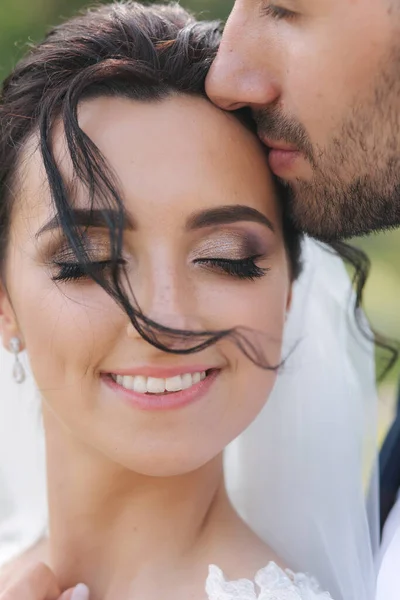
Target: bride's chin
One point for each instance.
(151, 457)
(165, 463)
(167, 470)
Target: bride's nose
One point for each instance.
(169, 299)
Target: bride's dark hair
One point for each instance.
(121, 49)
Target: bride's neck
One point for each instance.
(110, 526)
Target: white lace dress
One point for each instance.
(270, 583)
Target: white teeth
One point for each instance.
(139, 384)
(173, 384)
(128, 382)
(156, 385)
(187, 381)
(196, 377)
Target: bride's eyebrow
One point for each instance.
(90, 218)
(224, 215)
(221, 215)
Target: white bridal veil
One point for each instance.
(303, 474)
(300, 475)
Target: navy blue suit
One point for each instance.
(389, 467)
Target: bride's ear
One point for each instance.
(8, 323)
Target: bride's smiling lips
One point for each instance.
(154, 388)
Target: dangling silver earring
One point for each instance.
(18, 369)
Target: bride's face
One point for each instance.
(204, 249)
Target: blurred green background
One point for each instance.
(24, 21)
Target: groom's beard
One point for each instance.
(355, 186)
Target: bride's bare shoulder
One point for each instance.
(242, 553)
(36, 554)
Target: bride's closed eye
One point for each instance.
(66, 268)
(245, 268)
(232, 253)
(73, 271)
(240, 268)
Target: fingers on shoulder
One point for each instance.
(37, 583)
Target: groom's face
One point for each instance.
(323, 80)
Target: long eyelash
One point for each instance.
(277, 12)
(242, 269)
(73, 271)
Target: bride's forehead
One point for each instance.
(144, 133)
(173, 154)
(181, 126)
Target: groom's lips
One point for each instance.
(281, 156)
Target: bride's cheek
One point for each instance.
(67, 333)
(259, 310)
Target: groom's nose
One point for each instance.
(243, 71)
